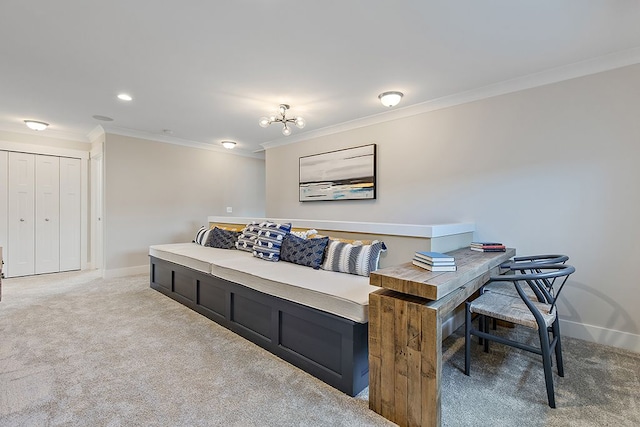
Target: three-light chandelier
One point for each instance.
(282, 118)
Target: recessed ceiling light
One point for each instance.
(35, 125)
(228, 144)
(103, 118)
(125, 97)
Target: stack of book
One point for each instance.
(487, 247)
(434, 261)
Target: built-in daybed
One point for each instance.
(315, 319)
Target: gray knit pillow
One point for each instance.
(353, 259)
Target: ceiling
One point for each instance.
(206, 71)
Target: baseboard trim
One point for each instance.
(599, 335)
(127, 271)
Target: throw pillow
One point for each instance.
(223, 239)
(308, 252)
(269, 240)
(305, 234)
(353, 259)
(202, 236)
(247, 237)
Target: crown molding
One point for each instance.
(579, 69)
(182, 142)
(96, 133)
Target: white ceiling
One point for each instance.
(208, 70)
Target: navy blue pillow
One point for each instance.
(307, 252)
(223, 239)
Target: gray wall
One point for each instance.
(162, 193)
(545, 170)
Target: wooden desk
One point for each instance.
(405, 332)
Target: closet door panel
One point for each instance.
(47, 243)
(20, 215)
(70, 243)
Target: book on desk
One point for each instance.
(434, 261)
(487, 247)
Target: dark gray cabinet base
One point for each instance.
(331, 348)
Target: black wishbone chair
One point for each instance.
(537, 312)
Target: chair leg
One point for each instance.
(485, 320)
(467, 340)
(556, 333)
(546, 362)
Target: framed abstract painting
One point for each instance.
(348, 174)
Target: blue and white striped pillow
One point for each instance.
(248, 237)
(353, 259)
(269, 240)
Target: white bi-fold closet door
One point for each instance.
(43, 214)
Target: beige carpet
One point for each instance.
(77, 350)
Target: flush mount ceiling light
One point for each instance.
(125, 97)
(229, 145)
(390, 99)
(35, 125)
(282, 111)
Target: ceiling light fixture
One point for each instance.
(390, 99)
(35, 125)
(125, 97)
(229, 145)
(282, 111)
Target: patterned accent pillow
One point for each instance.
(202, 236)
(269, 240)
(353, 259)
(308, 252)
(304, 234)
(223, 239)
(247, 237)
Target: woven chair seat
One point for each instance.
(508, 288)
(511, 309)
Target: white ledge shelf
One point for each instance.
(412, 230)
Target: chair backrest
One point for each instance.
(543, 288)
(538, 276)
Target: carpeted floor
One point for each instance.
(77, 350)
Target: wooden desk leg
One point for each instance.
(431, 367)
(405, 360)
(375, 400)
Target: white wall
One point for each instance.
(546, 170)
(162, 193)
